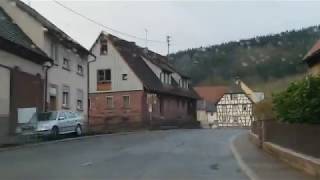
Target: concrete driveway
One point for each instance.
(158, 155)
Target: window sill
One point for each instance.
(65, 107)
(103, 82)
(80, 74)
(80, 109)
(66, 68)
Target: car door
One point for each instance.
(71, 121)
(62, 122)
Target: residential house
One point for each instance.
(21, 75)
(206, 106)
(235, 108)
(312, 59)
(133, 87)
(224, 106)
(67, 79)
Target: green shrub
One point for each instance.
(300, 103)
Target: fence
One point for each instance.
(303, 138)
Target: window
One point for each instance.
(126, 101)
(183, 83)
(165, 77)
(65, 96)
(80, 69)
(79, 100)
(62, 116)
(103, 46)
(66, 64)
(109, 102)
(104, 75)
(244, 107)
(54, 52)
(124, 76)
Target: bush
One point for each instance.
(300, 103)
(264, 110)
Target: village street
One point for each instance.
(171, 154)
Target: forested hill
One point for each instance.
(254, 60)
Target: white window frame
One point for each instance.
(66, 101)
(79, 91)
(112, 102)
(123, 102)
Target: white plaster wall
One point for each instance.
(24, 65)
(118, 66)
(212, 117)
(56, 75)
(4, 92)
(28, 24)
(60, 77)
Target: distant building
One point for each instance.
(21, 75)
(224, 106)
(312, 59)
(67, 78)
(235, 108)
(132, 86)
(206, 106)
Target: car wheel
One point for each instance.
(55, 132)
(78, 130)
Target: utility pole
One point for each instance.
(168, 42)
(146, 30)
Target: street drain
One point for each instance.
(214, 166)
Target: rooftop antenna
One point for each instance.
(146, 30)
(168, 42)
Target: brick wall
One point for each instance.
(105, 117)
(175, 109)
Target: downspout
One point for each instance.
(88, 85)
(47, 67)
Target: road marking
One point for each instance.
(86, 164)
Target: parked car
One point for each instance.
(54, 123)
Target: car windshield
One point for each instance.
(47, 116)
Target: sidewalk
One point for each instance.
(259, 165)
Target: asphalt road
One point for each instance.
(156, 155)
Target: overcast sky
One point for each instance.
(191, 24)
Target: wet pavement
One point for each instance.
(158, 155)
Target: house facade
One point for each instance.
(21, 75)
(235, 108)
(224, 106)
(67, 77)
(312, 59)
(133, 86)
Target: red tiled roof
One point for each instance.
(314, 50)
(211, 93)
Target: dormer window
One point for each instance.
(184, 83)
(103, 46)
(165, 77)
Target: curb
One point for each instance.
(243, 166)
(64, 140)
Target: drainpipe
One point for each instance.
(88, 81)
(47, 65)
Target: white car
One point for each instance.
(58, 122)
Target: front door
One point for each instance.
(53, 103)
